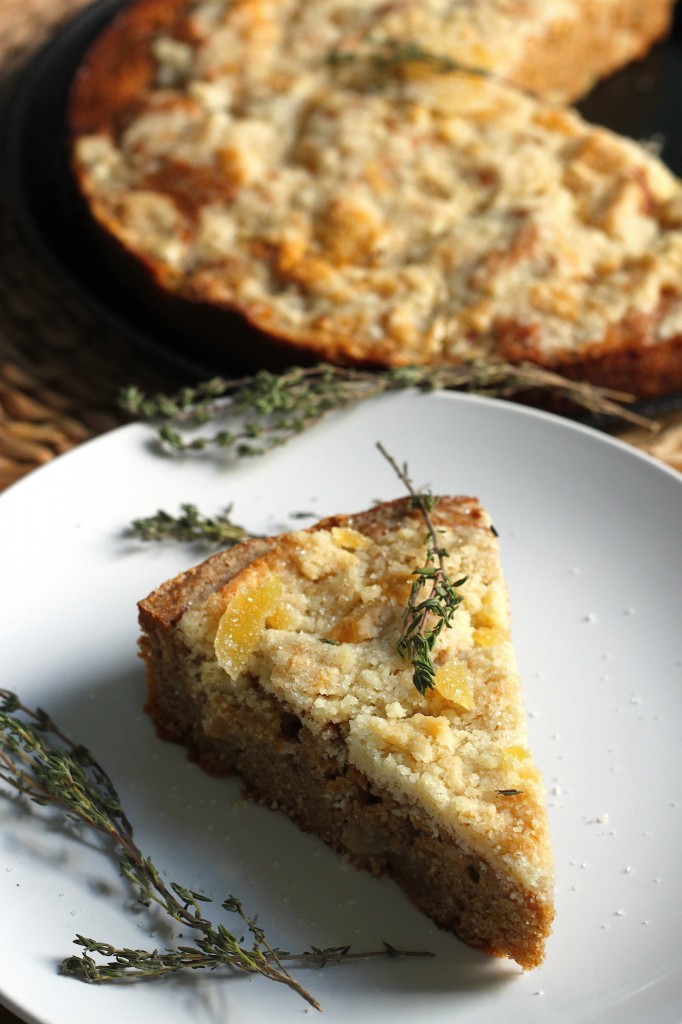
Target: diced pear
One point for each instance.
(515, 753)
(243, 622)
(487, 636)
(396, 587)
(517, 759)
(351, 540)
(454, 682)
(281, 618)
(494, 610)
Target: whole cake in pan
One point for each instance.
(279, 659)
(350, 181)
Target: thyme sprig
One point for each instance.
(386, 55)
(259, 412)
(39, 761)
(433, 597)
(190, 526)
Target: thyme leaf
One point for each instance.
(386, 55)
(190, 526)
(433, 597)
(252, 415)
(38, 761)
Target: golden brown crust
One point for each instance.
(167, 603)
(119, 68)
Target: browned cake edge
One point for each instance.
(561, 63)
(455, 887)
(567, 60)
(629, 359)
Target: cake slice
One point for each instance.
(277, 659)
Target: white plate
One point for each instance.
(590, 533)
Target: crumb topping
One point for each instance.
(315, 623)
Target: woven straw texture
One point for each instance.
(60, 370)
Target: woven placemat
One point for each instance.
(60, 369)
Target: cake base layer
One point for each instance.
(286, 770)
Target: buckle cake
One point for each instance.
(319, 181)
(277, 659)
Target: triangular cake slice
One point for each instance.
(277, 659)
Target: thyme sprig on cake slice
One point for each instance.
(254, 414)
(38, 761)
(433, 597)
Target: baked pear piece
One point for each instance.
(277, 659)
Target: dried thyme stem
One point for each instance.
(257, 413)
(190, 526)
(392, 57)
(425, 617)
(387, 55)
(38, 761)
